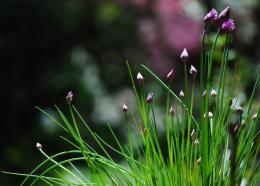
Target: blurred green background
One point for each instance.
(48, 47)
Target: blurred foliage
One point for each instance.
(50, 47)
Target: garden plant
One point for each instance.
(217, 144)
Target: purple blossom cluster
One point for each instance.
(227, 24)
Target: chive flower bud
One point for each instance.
(233, 129)
(181, 94)
(184, 55)
(228, 26)
(213, 93)
(211, 16)
(204, 93)
(170, 75)
(193, 71)
(139, 77)
(240, 110)
(149, 98)
(210, 115)
(69, 97)
(172, 111)
(224, 14)
(38, 146)
(198, 162)
(193, 135)
(254, 116)
(125, 108)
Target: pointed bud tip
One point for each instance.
(139, 77)
(69, 97)
(170, 75)
(193, 71)
(150, 98)
(184, 55)
(213, 93)
(172, 111)
(240, 110)
(254, 116)
(124, 108)
(38, 145)
(181, 94)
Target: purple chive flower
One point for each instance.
(211, 16)
(224, 14)
(69, 97)
(149, 98)
(228, 26)
(170, 75)
(139, 77)
(193, 71)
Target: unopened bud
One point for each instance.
(211, 16)
(210, 115)
(204, 93)
(193, 71)
(198, 162)
(172, 111)
(240, 110)
(233, 129)
(213, 93)
(38, 146)
(224, 14)
(193, 135)
(181, 94)
(125, 108)
(139, 77)
(69, 97)
(254, 116)
(149, 98)
(184, 55)
(170, 75)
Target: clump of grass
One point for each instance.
(209, 149)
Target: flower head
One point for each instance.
(149, 98)
(139, 77)
(193, 71)
(224, 14)
(170, 75)
(124, 108)
(254, 116)
(233, 129)
(204, 93)
(228, 26)
(181, 94)
(172, 111)
(184, 55)
(240, 110)
(210, 115)
(69, 97)
(211, 16)
(193, 135)
(213, 93)
(38, 146)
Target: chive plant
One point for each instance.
(210, 149)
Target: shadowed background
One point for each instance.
(50, 47)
